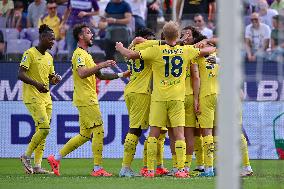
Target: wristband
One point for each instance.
(120, 75)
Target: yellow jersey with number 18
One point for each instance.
(169, 65)
(38, 67)
(85, 93)
(141, 71)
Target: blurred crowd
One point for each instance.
(117, 20)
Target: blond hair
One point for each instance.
(171, 30)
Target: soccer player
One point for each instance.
(190, 36)
(169, 64)
(246, 168)
(137, 96)
(191, 102)
(206, 120)
(37, 72)
(85, 99)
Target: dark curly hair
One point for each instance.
(78, 29)
(144, 32)
(196, 35)
(43, 29)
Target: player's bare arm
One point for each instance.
(112, 76)
(26, 79)
(195, 86)
(204, 42)
(84, 72)
(206, 51)
(126, 52)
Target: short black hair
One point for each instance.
(144, 32)
(196, 35)
(43, 29)
(198, 14)
(77, 30)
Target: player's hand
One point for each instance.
(201, 44)
(41, 87)
(56, 79)
(127, 73)
(196, 107)
(107, 64)
(82, 14)
(118, 46)
(138, 40)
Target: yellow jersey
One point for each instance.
(169, 65)
(141, 71)
(208, 77)
(38, 67)
(188, 82)
(85, 93)
(53, 22)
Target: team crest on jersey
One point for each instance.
(79, 60)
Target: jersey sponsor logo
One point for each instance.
(170, 83)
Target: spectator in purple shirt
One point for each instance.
(77, 12)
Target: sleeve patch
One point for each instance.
(24, 59)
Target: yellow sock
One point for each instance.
(244, 149)
(215, 141)
(199, 150)
(73, 144)
(180, 153)
(208, 150)
(160, 152)
(97, 144)
(130, 144)
(39, 152)
(151, 153)
(174, 161)
(37, 138)
(145, 153)
(188, 160)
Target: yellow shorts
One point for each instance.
(138, 106)
(167, 113)
(90, 116)
(41, 114)
(207, 106)
(190, 118)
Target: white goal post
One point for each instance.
(229, 106)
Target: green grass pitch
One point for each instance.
(75, 173)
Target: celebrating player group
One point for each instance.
(173, 88)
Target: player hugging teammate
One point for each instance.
(182, 101)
